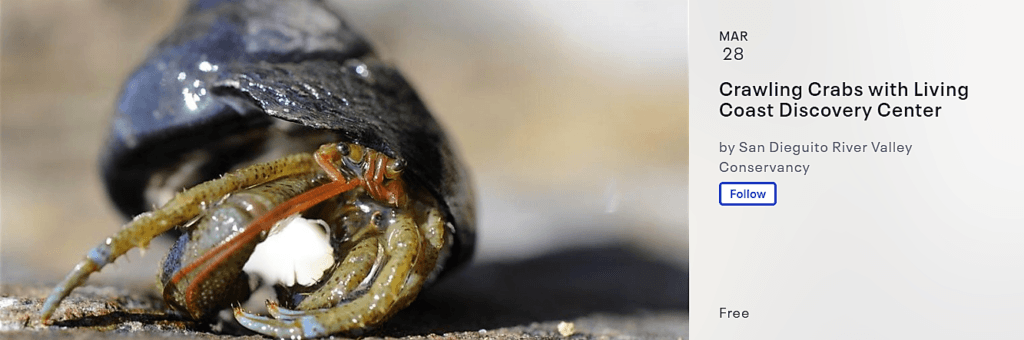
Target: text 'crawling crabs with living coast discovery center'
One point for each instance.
(278, 119)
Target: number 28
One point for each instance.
(733, 53)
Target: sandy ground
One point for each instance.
(526, 299)
(572, 118)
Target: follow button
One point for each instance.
(747, 193)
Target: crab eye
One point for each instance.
(396, 166)
(343, 149)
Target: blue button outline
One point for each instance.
(774, 199)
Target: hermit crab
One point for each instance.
(271, 113)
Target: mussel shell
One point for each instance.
(233, 68)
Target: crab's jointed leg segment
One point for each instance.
(179, 210)
(327, 156)
(356, 266)
(411, 251)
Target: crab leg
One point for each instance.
(411, 253)
(433, 241)
(179, 210)
(433, 234)
(402, 246)
(356, 266)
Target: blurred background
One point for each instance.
(571, 115)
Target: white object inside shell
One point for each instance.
(297, 251)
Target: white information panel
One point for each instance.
(891, 134)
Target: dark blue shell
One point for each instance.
(231, 69)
